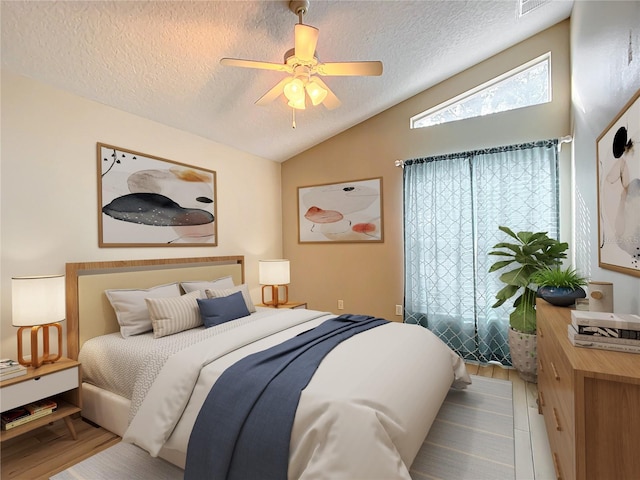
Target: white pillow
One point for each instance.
(222, 282)
(224, 292)
(175, 314)
(131, 309)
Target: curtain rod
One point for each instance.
(560, 141)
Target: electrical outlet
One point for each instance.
(340, 305)
(398, 309)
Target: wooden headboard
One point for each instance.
(89, 312)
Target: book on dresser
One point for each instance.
(606, 332)
(613, 321)
(604, 343)
(11, 369)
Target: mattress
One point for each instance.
(113, 363)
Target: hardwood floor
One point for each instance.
(533, 455)
(48, 450)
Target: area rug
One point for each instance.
(471, 438)
(123, 461)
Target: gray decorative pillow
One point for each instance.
(225, 292)
(131, 308)
(173, 315)
(202, 285)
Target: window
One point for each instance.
(527, 85)
(453, 206)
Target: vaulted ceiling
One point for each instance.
(161, 59)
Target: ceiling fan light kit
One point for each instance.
(304, 68)
(294, 91)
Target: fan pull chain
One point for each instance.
(293, 118)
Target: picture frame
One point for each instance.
(148, 201)
(618, 176)
(344, 212)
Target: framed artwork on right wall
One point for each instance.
(618, 174)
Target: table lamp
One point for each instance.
(274, 274)
(38, 303)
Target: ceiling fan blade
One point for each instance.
(238, 62)
(274, 93)
(330, 101)
(350, 68)
(306, 39)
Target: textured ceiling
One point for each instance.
(160, 60)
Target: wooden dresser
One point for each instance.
(591, 403)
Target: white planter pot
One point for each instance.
(524, 356)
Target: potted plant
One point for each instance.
(560, 287)
(530, 253)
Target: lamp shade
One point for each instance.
(273, 272)
(37, 300)
(316, 93)
(294, 91)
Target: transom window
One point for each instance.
(524, 86)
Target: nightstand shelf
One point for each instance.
(286, 305)
(60, 380)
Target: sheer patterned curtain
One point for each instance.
(453, 206)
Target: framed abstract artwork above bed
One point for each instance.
(148, 201)
(341, 212)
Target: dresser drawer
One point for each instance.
(556, 397)
(37, 388)
(560, 433)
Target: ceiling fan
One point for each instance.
(304, 68)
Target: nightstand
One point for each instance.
(286, 305)
(60, 380)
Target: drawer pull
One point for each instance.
(540, 332)
(540, 365)
(557, 420)
(556, 466)
(541, 398)
(555, 371)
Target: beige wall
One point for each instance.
(369, 277)
(48, 187)
(605, 46)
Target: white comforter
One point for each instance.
(364, 414)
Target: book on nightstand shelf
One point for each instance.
(610, 343)
(10, 369)
(41, 405)
(21, 415)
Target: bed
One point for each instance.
(364, 413)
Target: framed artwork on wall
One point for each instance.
(341, 212)
(618, 173)
(147, 201)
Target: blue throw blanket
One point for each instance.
(243, 429)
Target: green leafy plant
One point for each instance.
(531, 253)
(558, 277)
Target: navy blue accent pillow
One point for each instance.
(215, 311)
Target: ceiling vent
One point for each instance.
(527, 6)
